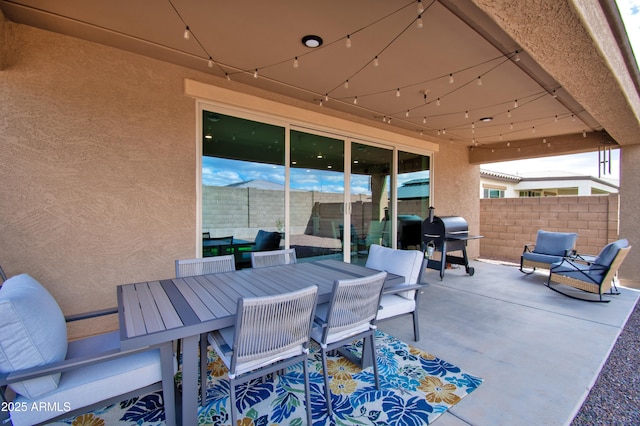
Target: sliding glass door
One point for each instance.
(268, 185)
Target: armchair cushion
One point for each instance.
(608, 253)
(33, 333)
(554, 243)
(401, 262)
(88, 385)
(267, 240)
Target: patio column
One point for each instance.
(629, 208)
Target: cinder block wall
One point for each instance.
(509, 223)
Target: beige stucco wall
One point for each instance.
(97, 180)
(98, 171)
(455, 189)
(629, 208)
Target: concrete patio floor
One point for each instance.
(538, 351)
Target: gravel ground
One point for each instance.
(615, 397)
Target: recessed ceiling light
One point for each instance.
(486, 119)
(312, 41)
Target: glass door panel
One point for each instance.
(243, 186)
(316, 196)
(413, 198)
(371, 208)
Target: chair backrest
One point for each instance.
(619, 256)
(354, 302)
(206, 265)
(407, 263)
(609, 252)
(34, 333)
(261, 259)
(555, 243)
(271, 325)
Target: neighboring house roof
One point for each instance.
(551, 178)
(258, 184)
(416, 188)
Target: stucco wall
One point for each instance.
(455, 189)
(97, 180)
(98, 172)
(629, 208)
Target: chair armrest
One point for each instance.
(92, 314)
(401, 288)
(529, 248)
(66, 365)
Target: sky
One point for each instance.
(584, 164)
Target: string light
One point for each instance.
(295, 62)
(438, 102)
(584, 133)
(255, 73)
(517, 57)
(509, 113)
(420, 7)
(419, 22)
(466, 114)
(398, 93)
(348, 42)
(406, 114)
(187, 33)
(355, 100)
(479, 80)
(346, 84)
(210, 63)
(228, 76)
(450, 78)
(376, 62)
(424, 120)
(515, 104)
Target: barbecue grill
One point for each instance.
(445, 235)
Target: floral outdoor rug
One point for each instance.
(415, 389)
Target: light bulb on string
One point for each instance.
(346, 84)
(515, 104)
(355, 100)
(466, 114)
(210, 63)
(584, 133)
(407, 114)
(450, 78)
(419, 22)
(376, 62)
(348, 42)
(479, 80)
(424, 120)
(509, 113)
(295, 62)
(438, 102)
(255, 73)
(226, 74)
(517, 56)
(187, 33)
(511, 126)
(420, 7)
(398, 93)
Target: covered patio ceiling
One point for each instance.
(507, 79)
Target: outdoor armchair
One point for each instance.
(270, 334)
(402, 299)
(350, 315)
(39, 368)
(550, 247)
(590, 274)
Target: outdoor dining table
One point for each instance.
(184, 308)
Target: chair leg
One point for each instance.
(416, 326)
(307, 392)
(232, 402)
(325, 373)
(204, 364)
(375, 359)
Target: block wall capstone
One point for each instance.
(508, 224)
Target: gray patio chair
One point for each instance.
(402, 299)
(41, 367)
(592, 274)
(350, 315)
(261, 259)
(550, 247)
(203, 266)
(270, 334)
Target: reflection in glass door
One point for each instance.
(413, 198)
(371, 209)
(317, 196)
